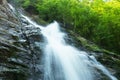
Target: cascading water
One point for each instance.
(61, 60)
(11, 7)
(65, 62)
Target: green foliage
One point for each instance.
(97, 20)
(107, 33)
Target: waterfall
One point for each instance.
(11, 7)
(63, 61)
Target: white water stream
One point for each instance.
(63, 61)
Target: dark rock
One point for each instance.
(19, 53)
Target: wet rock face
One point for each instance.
(19, 47)
(2, 1)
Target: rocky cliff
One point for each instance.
(18, 50)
